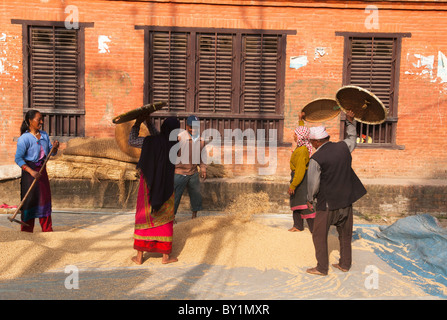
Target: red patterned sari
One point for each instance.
(153, 229)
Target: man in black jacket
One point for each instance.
(333, 187)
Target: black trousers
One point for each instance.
(342, 219)
(298, 222)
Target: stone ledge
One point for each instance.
(385, 197)
(11, 171)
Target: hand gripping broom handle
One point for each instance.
(32, 185)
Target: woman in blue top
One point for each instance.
(33, 147)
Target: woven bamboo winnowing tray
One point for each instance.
(122, 132)
(135, 113)
(366, 106)
(321, 110)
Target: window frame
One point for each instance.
(236, 118)
(68, 121)
(390, 124)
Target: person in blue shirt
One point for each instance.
(33, 146)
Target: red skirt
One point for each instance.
(157, 239)
(152, 246)
(153, 230)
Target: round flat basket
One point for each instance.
(321, 110)
(366, 106)
(135, 113)
(122, 132)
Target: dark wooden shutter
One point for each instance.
(259, 73)
(168, 69)
(53, 83)
(214, 72)
(229, 78)
(372, 66)
(53, 68)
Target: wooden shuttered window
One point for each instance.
(53, 67)
(372, 66)
(229, 78)
(260, 73)
(53, 72)
(372, 62)
(214, 72)
(54, 79)
(168, 79)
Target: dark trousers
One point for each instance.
(343, 220)
(298, 222)
(192, 183)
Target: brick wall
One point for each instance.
(114, 80)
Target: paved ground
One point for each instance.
(213, 282)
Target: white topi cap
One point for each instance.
(317, 133)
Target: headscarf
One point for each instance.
(302, 134)
(157, 169)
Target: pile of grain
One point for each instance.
(237, 243)
(246, 205)
(218, 240)
(90, 246)
(238, 240)
(234, 239)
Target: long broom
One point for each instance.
(12, 219)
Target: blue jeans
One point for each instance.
(192, 183)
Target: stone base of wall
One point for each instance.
(385, 198)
